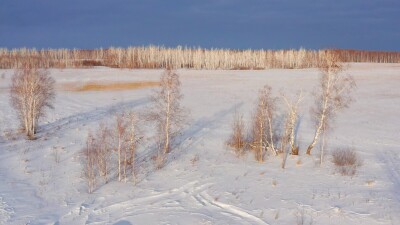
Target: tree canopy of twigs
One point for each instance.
(332, 95)
(31, 92)
(262, 130)
(167, 112)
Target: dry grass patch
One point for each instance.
(97, 86)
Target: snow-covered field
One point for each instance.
(218, 188)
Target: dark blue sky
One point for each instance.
(268, 24)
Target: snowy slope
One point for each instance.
(218, 188)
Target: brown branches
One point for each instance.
(237, 139)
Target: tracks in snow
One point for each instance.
(227, 209)
(96, 114)
(192, 199)
(391, 162)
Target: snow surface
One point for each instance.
(218, 188)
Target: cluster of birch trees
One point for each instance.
(111, 152)
(332, 95)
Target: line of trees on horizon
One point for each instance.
(159, 57)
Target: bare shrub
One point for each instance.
(9, 134)
(195, 159)
(97, 156)
(159, 160)
(89, 162)
(346, 161)
(333, 94)
(262, 130)
(167, 112)
(102, 145)
(112, 147)
(31, 91)
(237, 139)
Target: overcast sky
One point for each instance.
(239, 24)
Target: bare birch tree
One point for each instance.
(167, 111)
(290, 125)
(333, 94)
(262, 131)
(134, 139)
(121, 147)
(89, 163)
(101, 143)
(31, 91)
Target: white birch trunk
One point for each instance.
(166, 146)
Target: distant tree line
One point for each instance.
(157, 57)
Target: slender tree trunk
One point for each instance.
(89, 168)
(125, 161)
(34, 118)
(25, 116)
(271, 136)
(316, 136)
(322, 119)
(132, 148)
(292, 136)
(322, 146)
(119, 157)
(261, 147)
(166, 146)
(106, 171)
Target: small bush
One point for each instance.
(237, 139)
(346, 161)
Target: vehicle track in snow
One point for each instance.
(190, 199)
